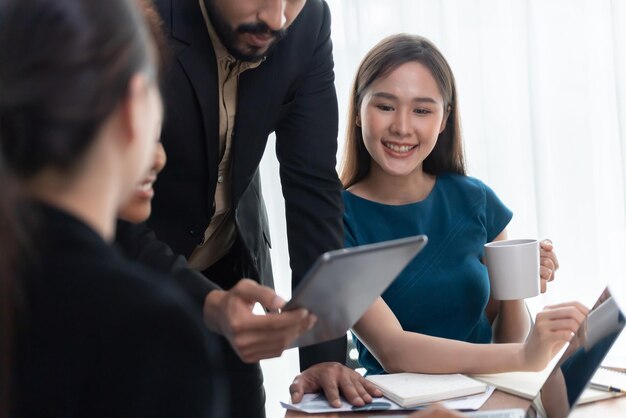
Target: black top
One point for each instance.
(139, 243)
(100, 336)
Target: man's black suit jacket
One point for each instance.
(291, 93)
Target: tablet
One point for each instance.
(342, 284)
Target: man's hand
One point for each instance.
(333, 379)
(254, 337)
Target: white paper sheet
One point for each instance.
(316, 403)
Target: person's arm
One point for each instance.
(333, 379)
(306, 148)
(228, 313)
(139, 243)
(511, 319)
(159, 363)
(403, 351)
(254, 337)
(553, 396)
(512, 322)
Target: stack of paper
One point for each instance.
(411, 389)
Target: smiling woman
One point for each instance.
(543, 88)
(413, 183)
(403, 114)
(524, 85)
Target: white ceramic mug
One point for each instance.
(513, 267)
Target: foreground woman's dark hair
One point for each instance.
(89, 333)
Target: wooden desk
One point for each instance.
(611, 408)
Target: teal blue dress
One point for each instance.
(443, 292)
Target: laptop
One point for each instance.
(572, 374)
(342, 284)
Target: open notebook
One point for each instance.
(412, 389)
(528, 384)
(570, 374)
(563, 381)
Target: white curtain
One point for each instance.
(542, 93)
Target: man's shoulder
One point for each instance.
(314, 9)
(164, 7)
(314, 15)
(309, 33)
(179, 14)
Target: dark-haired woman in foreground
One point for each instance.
(94, 335)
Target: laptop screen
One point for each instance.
(582, 358)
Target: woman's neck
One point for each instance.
(87, 198)
(382, 187)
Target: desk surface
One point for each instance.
(610, 408)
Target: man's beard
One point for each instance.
(228, 36)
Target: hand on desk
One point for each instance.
(254, 337)
(333, 379)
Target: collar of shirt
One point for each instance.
(225, 60)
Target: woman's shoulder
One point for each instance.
(467, 184)
(461, 179)
(72, 263)
(473, 192)
(115, 309)
(352, 198)
(130, 282)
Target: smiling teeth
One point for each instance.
(399, 148)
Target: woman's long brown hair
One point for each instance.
(64, 67)
(386, 56)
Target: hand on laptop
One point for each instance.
(333, 379)
(554, 327)
(254, 337)
(548, 263)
